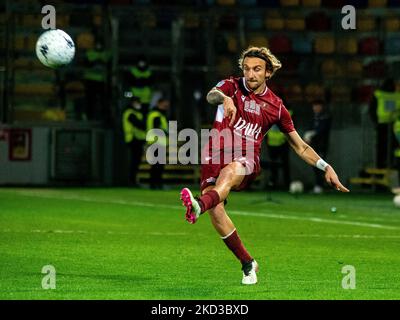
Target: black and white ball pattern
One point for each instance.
(55, 48)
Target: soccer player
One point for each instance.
(247, 108)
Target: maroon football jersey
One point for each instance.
(256, 113)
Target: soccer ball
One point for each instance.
(296, 187)
(55, 48)
(396, 200)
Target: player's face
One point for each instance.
(255, 72)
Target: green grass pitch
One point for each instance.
(121, 243)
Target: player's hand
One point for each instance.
(229, 110)
(333, 180)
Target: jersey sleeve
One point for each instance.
(227, 87)
(285, 120)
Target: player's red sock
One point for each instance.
(234, 243)
(209, 200)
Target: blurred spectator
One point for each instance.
(157, 119)
(140, 81)
(317, 136)
(96, 79)
(383, 107)
(134, 126)
(278, 150)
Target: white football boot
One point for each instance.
(249, 273)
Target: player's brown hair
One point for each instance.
(272, 63)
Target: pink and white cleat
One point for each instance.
(193, 210)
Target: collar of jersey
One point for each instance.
(248, 90)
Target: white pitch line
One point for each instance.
(315, 219)
(294, 235)
(172, 234)
(86, 199)
(355, 236)
(234, 212)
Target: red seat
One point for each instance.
(370, 46)
(375, 69)
(280, 44)
(364, 93)
(333, 3)
(318, 21)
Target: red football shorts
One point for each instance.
(210, 172)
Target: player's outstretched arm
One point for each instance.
(217, 97)
(308, 154)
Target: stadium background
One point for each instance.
(190, 45)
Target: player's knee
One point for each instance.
(234, 169)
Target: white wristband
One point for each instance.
(321, 164)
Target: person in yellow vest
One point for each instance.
(140, 81)
(134, 127)
(96, 79)
(278, 150)
(384, 108)
(157, 119)
(396, 131)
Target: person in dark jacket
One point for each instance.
(318, 137)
